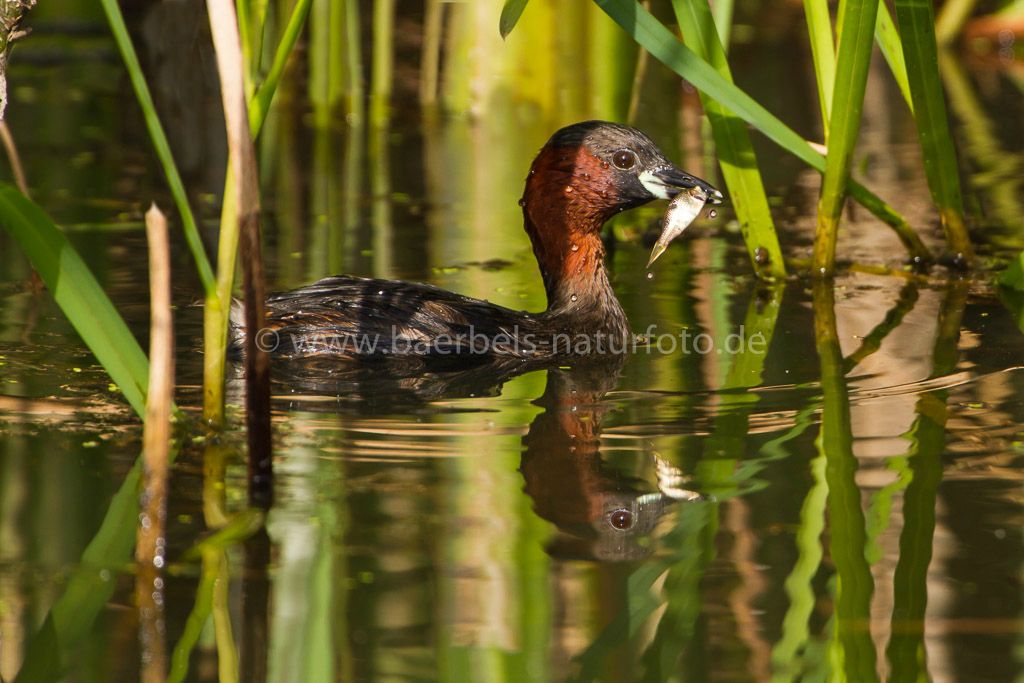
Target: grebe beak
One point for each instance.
(668, 181)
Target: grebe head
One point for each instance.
(611, 168)
(584, 175)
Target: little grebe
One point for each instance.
(584, 175)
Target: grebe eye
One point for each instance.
(624, 159)
(621, 519)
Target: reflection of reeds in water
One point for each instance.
(998, 172)
(846, 517)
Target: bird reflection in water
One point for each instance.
(600, 513)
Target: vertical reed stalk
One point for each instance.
(217, 305)
(354, 106)
(823, 54)
(455, 93)
(430, 62)
(888, 39)
(722, 11)
(639, 73)
(336, 69)
(735, 151)
(156, 440)
(218, 299)
(318, 57)
(858, 18)
(917, 24)
(382, 70)
(259, 103)
(242, 156)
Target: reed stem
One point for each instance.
(242, 157)
(150, 542)
(858, 18)
(382, 69)
(430, 63)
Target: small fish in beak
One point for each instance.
(681, 212)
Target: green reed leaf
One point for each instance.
(654, 37)
(732, 142)
(888, 39)
(823, 53)
(259, 103)
(510, 13)
(855, 45)
(917, 33)
(78, 294)
(160, 144)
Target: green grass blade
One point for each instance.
(258, 15)
(823, 53)
(259, 104)
(160, 144)
(735, 152)
(510, 13)
(855, 45)
(654, 37)
(245, 28)
(888, 39)
(78, 294)
(722, 10)
(917, 32)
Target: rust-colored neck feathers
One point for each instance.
(568, 197)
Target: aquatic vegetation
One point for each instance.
(79, 295)
(412, 537)
(842, 79)
(732, 143)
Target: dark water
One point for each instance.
(842, 501)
